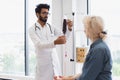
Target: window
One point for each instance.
(109, 10)
(17, 16)
(12, 37)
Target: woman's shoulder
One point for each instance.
(102, 48)
(102, 45)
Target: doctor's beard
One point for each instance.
(43, 19)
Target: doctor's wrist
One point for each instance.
(55, 42)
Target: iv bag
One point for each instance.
(64, 26)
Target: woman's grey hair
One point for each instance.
(95, 25)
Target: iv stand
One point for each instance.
(73, 55)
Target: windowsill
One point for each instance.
(16, 77)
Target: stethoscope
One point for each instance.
(37, 27)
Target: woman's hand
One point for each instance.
(68, 78)
(64, 78)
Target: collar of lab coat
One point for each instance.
(39, 25)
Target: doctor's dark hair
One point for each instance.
(40, 6)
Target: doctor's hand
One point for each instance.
(57, 77)
(69, 24)
(60, 40)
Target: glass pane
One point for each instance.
(109, 10)
(12, 37)
(31, 20)
(115, 48)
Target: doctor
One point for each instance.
(45, 37)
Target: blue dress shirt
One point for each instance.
(98, 63)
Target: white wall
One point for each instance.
(62, 8)
(81, 40)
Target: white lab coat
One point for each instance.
(47, 64)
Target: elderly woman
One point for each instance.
(98, 63)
